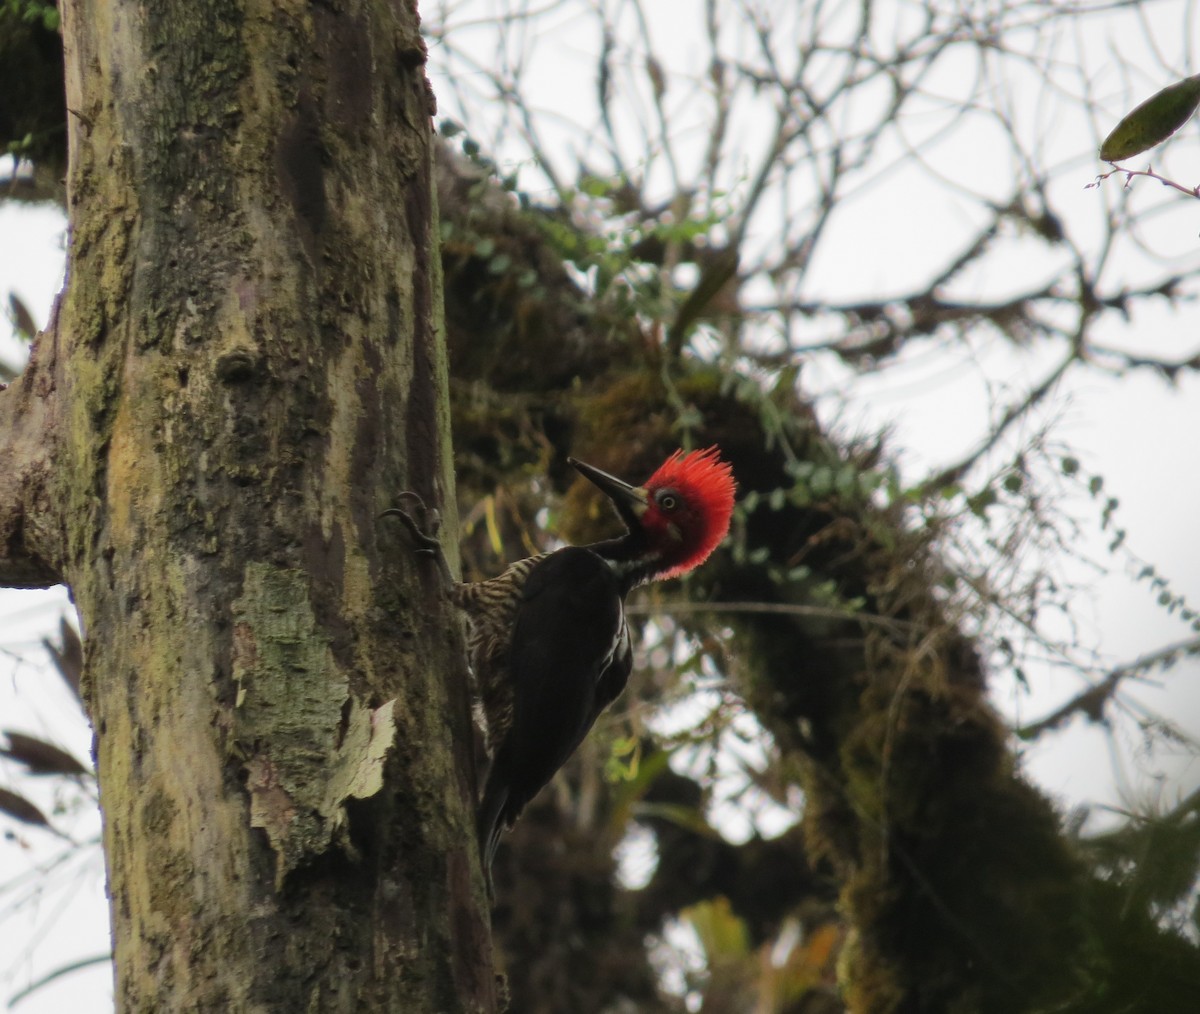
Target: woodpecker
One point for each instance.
(548, 643)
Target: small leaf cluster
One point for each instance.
(484, 244)
(33, 11)
(628, 252)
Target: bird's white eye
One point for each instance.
(668, 501)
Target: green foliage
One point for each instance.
(33, 11)
(1143, 956)
(32, 99)
(1154, 857)
(1168, 598)
(628, 256)
(624, 759)
(20, 147)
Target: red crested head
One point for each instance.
(689, 501)
(676, 519)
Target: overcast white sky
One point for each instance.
(1136, 431)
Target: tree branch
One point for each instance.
(953, 473)
(30, 542)
(1091, 702)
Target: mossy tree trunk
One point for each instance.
(244, 369)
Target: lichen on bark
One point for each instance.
(306, 742)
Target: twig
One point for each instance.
(767, 608)
(58, 973)
(1091, 701)
(1148, 172)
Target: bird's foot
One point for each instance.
(423, 527)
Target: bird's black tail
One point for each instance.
(491, 822)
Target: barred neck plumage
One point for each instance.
(630, 559)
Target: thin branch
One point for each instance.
(658, 87)
(58, 973)
(1169, 368)
(768, 608)
(953, 473)
(722, 98)
(1147, 172)
(1091, 702)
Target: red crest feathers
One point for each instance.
(706, 486)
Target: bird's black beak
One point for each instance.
(630, 501)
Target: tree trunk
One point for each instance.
(245, 368)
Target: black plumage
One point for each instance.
(569, 658)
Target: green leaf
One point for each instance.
(1153, 121)
(722, 934)
(981, 501)
(594, 186)
(820, 483)
(629, 790)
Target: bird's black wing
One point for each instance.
(569, 659)
(616, 675)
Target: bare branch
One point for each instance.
(953, 473)
(1091, 702)
(1168, 368)
(58, 973)
(1147, 172)
(765, 609)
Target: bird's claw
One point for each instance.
(432, 516)
(423, 528)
